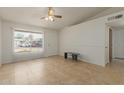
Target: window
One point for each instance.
(28, 41)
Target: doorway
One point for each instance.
(115, 41)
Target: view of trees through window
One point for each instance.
(27, 41)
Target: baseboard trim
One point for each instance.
(88, 62)
(119, 58)
(27, 59)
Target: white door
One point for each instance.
(119, 44)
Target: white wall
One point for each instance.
(118, 43)
(7, 44)
(51, 43)
(0, 44)
(87, 38)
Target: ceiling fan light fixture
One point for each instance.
(46, 18)
(51, 18)
(51, 15)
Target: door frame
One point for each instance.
(110, 45)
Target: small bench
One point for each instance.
(73, 54)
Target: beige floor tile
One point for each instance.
(56, 70)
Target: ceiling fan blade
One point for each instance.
(57, 16)
(42, 17)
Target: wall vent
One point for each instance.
(115, 17)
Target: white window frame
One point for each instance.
(30, 31)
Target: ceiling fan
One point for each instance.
(51, 15)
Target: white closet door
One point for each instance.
(120, 44)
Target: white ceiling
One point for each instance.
(32, 15)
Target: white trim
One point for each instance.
(27, 30)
